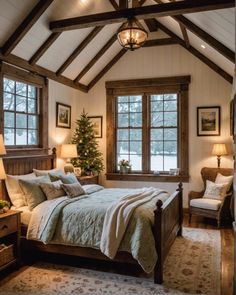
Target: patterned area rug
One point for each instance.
(192, 267)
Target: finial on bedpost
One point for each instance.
(54, 151)
(180, 187)
(159, 204)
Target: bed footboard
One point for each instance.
(168, 219)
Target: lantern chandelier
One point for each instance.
(132, 34)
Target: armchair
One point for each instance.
(211, 208)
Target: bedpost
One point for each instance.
(158, 271)
(180, 197)
(54, 160)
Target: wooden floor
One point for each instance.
(227, 250)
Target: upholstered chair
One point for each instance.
(201, 204)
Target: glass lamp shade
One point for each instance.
(219, 149)
(132, 35)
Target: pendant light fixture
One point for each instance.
(132, 34)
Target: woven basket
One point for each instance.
(6, 255)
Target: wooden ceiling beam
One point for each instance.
(114, 4)
(25, 26)
(222, 49)
(160, 42)
(107, 68)
(123, 4)
(79, 49)
(96, 58)
(198, 54)
(44, 47)
(24, 64)
(144, 12)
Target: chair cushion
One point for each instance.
(204, 203)
(214, 190)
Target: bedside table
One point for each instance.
(9, 236)
(88, 179)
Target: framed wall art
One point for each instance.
(63, 115)
(97, 125)
(208, 121)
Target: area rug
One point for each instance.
(192, 267)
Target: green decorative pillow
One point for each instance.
(67, 179)
(53, 190)
(33, 193)
(73, 190)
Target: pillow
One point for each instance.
(214, 190)
(67, 179)
(73, 190)
(14, 190)
(33, 193)
(52, 190)
(55, 171)
(224, 179)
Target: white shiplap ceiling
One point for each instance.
(220, 24)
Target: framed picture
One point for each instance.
(97, 125)
(63, 115)
(232, 117)
(208, 121)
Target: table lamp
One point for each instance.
(2, 170)
(2, 146)
(69, 151)
(219, 149)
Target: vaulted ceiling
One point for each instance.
(74, 42)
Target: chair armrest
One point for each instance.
(194, 195)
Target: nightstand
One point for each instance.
(88, 179)
(10, 237)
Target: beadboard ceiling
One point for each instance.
(220, 24)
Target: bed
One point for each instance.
(167, 220)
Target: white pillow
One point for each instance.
(214, 190)
(45, 172)
(15, 192)
(224, 179)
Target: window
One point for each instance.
(147, 124)
(21, 113)
(24, 111)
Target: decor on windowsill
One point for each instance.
(132, 35)
(4, 206)
(89, 157)
(219, 149)
(125, 166)
(69, 151)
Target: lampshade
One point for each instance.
(219, 149)
(2, 146)
(132, 35)
(69, 151)
(2, 170)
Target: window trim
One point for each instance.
(7, 71)
(180, 85)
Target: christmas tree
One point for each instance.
(89, 157)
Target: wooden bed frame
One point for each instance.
(167, 222)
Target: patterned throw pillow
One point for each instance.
(67, 179)
(224, 179)
(214, 190)
(33, 193)
(52, 190)
(73, 190)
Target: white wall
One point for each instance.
(206, 89)
(67, 95)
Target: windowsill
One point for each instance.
(147, 177)
(25, 151)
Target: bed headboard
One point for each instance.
(18, 165)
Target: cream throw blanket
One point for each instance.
(117, 218)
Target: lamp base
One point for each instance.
(68, 168)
